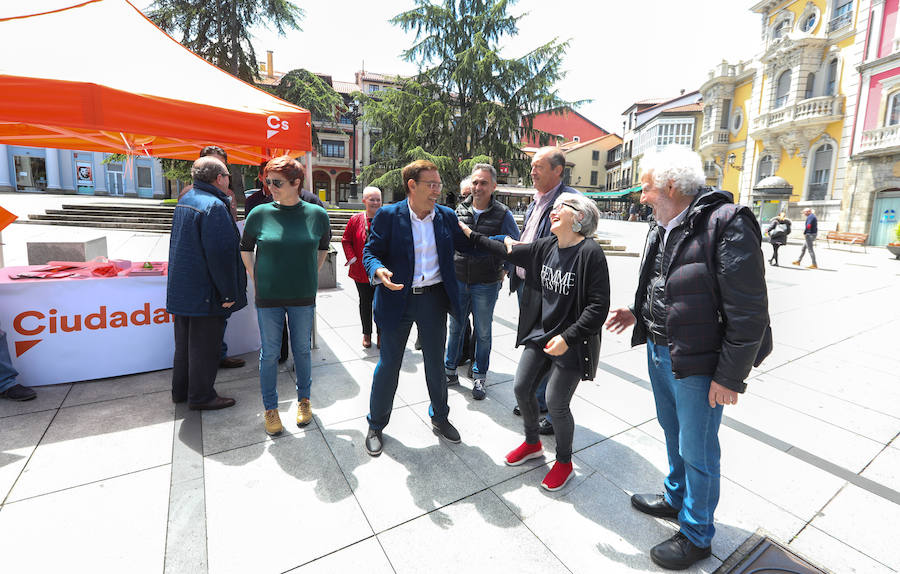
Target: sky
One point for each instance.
(620, 51)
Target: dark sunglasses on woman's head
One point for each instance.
(276, 182)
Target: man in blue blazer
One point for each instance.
(409, 257)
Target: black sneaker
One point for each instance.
(452, 379)
(445, 430)
(678, 553)
(478, 391)
(18, 393)
(545, 426)
(374, 442)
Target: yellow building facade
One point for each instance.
(776, 128)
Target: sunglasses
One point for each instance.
(277, 183)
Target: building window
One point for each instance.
(675, 134)
(576, 138)
(595, 155)
(144, 176)
(809, 22)
(832, 78)
(737, 120)
(782, 89)
(781, 29)
(345, 120)
(843, 14)
(893, 115)
(332, 148)
(374, 88)
(810, 84)
(820, 174)
(726, 113)
(707, 117)
(594, 176)
(764, 169)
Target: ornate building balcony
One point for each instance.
(880, 141)
(714, 143)
(811, 112)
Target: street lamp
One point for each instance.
(354, 115)
(731, 159)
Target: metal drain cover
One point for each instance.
(760, 554)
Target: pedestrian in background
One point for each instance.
(778, 231)
(810, 230)
(353, 241)
(290, 240)
(9, 388)
(479, 276)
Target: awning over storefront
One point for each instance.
(612, 194)
(99, 76)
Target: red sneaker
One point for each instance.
(524, 453)
(558, 476)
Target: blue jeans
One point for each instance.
(429, 312)
(8, 373)
(271, 322)
(479, 299)
(692, 444)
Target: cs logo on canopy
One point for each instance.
(275, 125)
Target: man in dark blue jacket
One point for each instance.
(810, 230)
(206, 283)
(409, 257)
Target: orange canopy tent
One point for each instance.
(99, 76)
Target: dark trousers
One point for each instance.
(429, 312)
(535, 367)
(774, 258)
(198, 342)
(366, 296)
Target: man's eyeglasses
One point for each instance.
(228, 175)
(277, 183)
(433, 185)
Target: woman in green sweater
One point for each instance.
(290, 239)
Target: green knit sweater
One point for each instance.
(287, 240)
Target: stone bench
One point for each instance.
(42, 252)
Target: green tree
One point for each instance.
(469, 99)
(219, 32)
(309, 91)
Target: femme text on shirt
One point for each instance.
(556, 280)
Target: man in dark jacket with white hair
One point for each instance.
(206, 283)
(702, 308)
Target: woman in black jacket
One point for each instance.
(778, 231)
(564, 305)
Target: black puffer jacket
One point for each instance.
(717, 317)
(480, 267)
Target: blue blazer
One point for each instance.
(390, 245)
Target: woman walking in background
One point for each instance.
(353, 241)
(290, 239)
(778, 231)
(560, 318)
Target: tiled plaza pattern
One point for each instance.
(109, 476)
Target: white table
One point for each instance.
(65, 330)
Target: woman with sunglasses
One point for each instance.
(290, 240)
(562, 311)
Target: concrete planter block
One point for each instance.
(42, 252)
(328, 272)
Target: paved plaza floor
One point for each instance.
(110, 476)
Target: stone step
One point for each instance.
(156, 228)
(103, 218)
(124, 207)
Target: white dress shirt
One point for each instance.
(673, 223)
(427, 270)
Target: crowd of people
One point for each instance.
(700, 305)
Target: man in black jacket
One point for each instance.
(479, 276)
(702, 308)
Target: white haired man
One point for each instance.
(702, 308)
